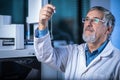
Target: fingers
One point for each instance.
(47, 11)
(49, 7)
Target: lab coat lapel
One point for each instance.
(105, 53)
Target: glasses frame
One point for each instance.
(94, 20)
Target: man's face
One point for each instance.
(94, 28)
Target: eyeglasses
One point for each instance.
(94, 20)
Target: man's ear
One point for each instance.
(109, 30)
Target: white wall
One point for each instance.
(115, 8)
(104, 3)
(33, 10)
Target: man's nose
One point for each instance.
(89, 22)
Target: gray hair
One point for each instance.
(108, 16)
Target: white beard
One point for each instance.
(89, 39)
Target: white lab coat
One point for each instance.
(71, 60)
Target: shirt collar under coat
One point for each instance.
(104, 53)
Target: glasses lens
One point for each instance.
(96, 20)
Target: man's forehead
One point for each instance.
(95, 13)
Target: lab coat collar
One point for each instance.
(106, 51)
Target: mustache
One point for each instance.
(89, 29)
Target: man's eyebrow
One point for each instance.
(97, 17)
(93, 17)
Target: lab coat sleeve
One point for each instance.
(55, 57)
